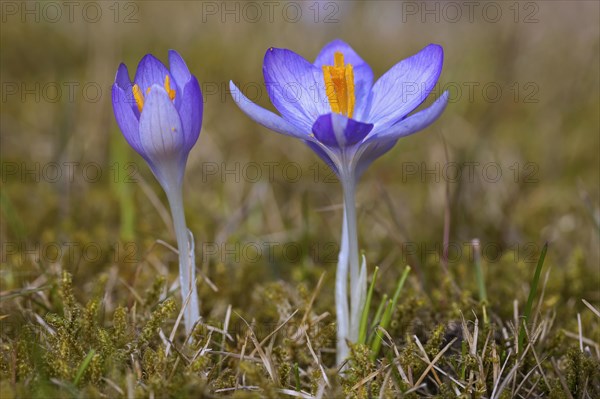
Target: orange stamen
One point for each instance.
(170, 91)
(339, 85)
(139, 96)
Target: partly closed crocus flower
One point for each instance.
(349, 121)
(160, 115)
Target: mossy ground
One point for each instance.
(88, 286)
(63, 340)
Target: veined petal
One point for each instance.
(293, 88)
(265, 117)
(339, 131)
(122, 78)
(161, 133)
(190, 112)
(413, 123)
(326, 56)
(406, 85)
(150, 118)
(126, 119)
(378, 143)
(179, 70)
(151, 71)
(363, 75)
(122, 81)
(369, 152)
(321, 153)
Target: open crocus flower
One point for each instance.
(334, 107)
(160, 115)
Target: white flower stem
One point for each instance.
(341, 296)
(348, 316)
(356, 289)
(187, 263)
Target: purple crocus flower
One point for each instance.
(349, 121)
(333, 105)
(160, 115)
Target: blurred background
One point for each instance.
(514, 160)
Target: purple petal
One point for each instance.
(122, 78)
(293, 88)
(126, 119)
(190, 112)
(338, 131)
(406, 85)
(316, 147)
(363, 75)
(151, 71)
(413, 123)
(370, 153)
(326, 56)
(161, 133)
(265, 117)
(179, 69)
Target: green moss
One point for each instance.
(120, 330)
(582, 373)
(24, 364)
(360, 367)
(111, 340)
(434, 344)
(154, 292)
(157, 318)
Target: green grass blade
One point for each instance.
(479, 272)
(380, 309)
(84, 365)
(532, 292)
(14, 221)
(297, 376)
(377, 319)
(122, 185)
(362, 332)
(377, 335)
(480, 279)
(400, 285)
(387, 315)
